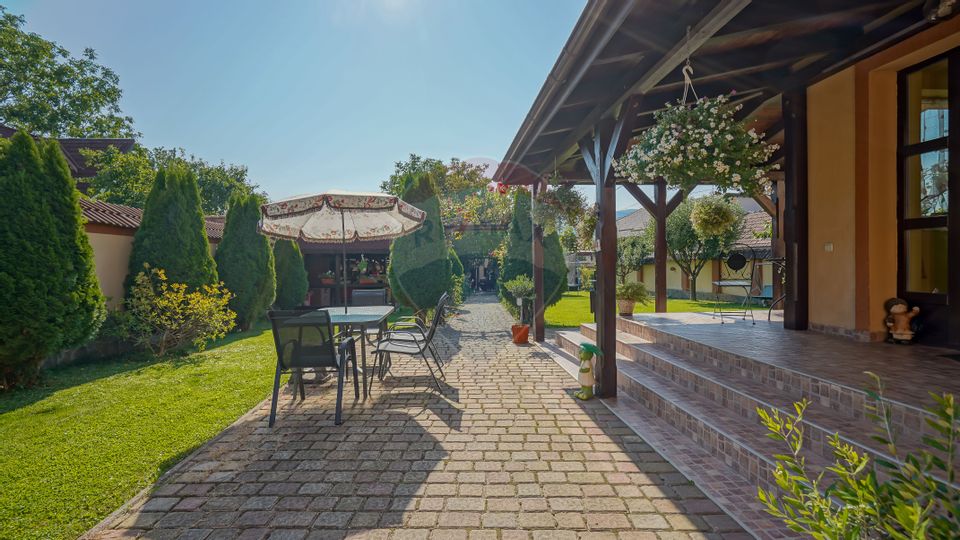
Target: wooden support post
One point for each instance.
(608, 141)
(538, 300)
(796, 307)
(660, 246)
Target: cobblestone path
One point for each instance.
(507, 453)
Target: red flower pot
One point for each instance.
(521, 333)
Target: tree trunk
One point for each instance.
(693, 285)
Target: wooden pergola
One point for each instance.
(622, 63)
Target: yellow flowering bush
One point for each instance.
(165, 317)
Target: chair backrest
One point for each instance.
(739, 263)
(368, 297)
(437, 317)
(303, 338)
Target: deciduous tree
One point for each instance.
(47, 91)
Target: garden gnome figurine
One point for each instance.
(587, 364)
(898, 321)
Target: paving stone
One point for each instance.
(506, 454)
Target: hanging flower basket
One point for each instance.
(712, 217)
(556, 204)
(700, 142)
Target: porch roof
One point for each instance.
(624, 48)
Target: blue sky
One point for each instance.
(314, 95)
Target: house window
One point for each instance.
(925, 179)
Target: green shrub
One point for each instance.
(32, 284)
(245, 261)
(85, 307)
(900, 499)
(172, 234)
(420, 269)
(458, 291)
(521, 288)
(518, 255)
(633, 292)
(165, 317)
(632, 252)
(292, 281)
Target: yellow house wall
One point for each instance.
(831, 151)
(111, 254)
(852, 173)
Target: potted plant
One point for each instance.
(629, 295)
(521, 288)
(712, 217)
(328, 278)
(703, 141)
(556, 204)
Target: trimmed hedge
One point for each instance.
(245, 261)
(420, 269)
(172, 236)
(518, 255)
(292, 282)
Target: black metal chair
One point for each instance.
(368, 297)
(738, 270)
(412, 339)
(305, 340)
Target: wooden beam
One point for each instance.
(707, 27)
(674, 201)
(796, 306)
(660, 246)
(539, 328)
(767, 204)
(640, 196)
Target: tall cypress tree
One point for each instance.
(33, 288)
(419, 270)
(292, 282)
(245, 261)
(518, 256)
(84, 306)
(172, 235)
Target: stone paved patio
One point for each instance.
(507, 453)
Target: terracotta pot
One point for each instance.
(625, 307)
(521, 333)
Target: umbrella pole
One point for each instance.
(343, 242)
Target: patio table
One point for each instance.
(361, 317)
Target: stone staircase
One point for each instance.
(710, 397)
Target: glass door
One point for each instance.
(926, 253)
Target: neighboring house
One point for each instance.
(75, 160)
(110, 228)
(756, 223)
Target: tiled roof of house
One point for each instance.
(128, 217)
(633, 223)
(71, 150)
(754, 224)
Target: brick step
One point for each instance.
(843, 400)
(740, 443)
(725, 486)
(743, 395)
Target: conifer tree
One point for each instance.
(84, 306)
(419, 270)
(292, 282)
(518, 255)
(172, 235)
(33, 287)
(245, 261)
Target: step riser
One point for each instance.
(841, 400)
(744, 460)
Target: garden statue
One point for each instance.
(587, 366)
(899, 320)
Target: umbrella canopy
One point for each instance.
(340, 216)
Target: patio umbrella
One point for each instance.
(340, 216)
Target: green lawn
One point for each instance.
(574, 309)
(91, 436)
